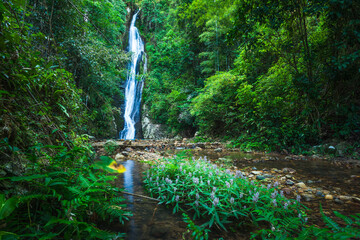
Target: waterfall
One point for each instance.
(133, 86)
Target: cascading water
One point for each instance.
(133, 86)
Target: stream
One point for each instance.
(321, 176)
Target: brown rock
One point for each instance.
(287, 190)
(329, 197)
(308, 197)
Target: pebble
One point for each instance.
(256, 172)
(329, 197)
(300, 185)
(289, 176)
(319, 194)
(355, 199)
(289, 182)
(260, 177)
(308, 197)
(218, 150)
(310, 182)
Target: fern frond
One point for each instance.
(329, 222)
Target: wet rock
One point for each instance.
(289, 176)
(150, 129)
(329, 197)
(319, 194)
(289, 182)
(218, 150)
(331, 150)
(345, 198)
(256, 172)
(307, 196)
(260, 177)
(129, 149)
(356, 199)
(254, 168)
(268, 176)
(288, 170)
(301, 185)
(119, 157)
(310, 181)
(338, 201)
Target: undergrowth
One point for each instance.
(64, 196)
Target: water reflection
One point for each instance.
(129, 187)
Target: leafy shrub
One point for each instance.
(63, 197)
(110, 146)
(221, 196)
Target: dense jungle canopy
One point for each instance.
(265, 74)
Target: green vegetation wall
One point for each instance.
(267, 74)
(61, 67)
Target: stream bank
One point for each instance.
(331, 183)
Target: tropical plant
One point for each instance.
(64, 196)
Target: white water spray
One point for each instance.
(133, 88)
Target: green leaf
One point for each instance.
(8, 207)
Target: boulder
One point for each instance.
(119, 157)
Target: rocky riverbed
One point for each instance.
(333, 183)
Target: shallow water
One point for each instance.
(150, 220)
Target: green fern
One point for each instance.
(60, 201)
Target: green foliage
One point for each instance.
(64, 196)
(220, 196)
(63, 60)
(110, 147)
(197, 233)
(7, 206)
(292, 68)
